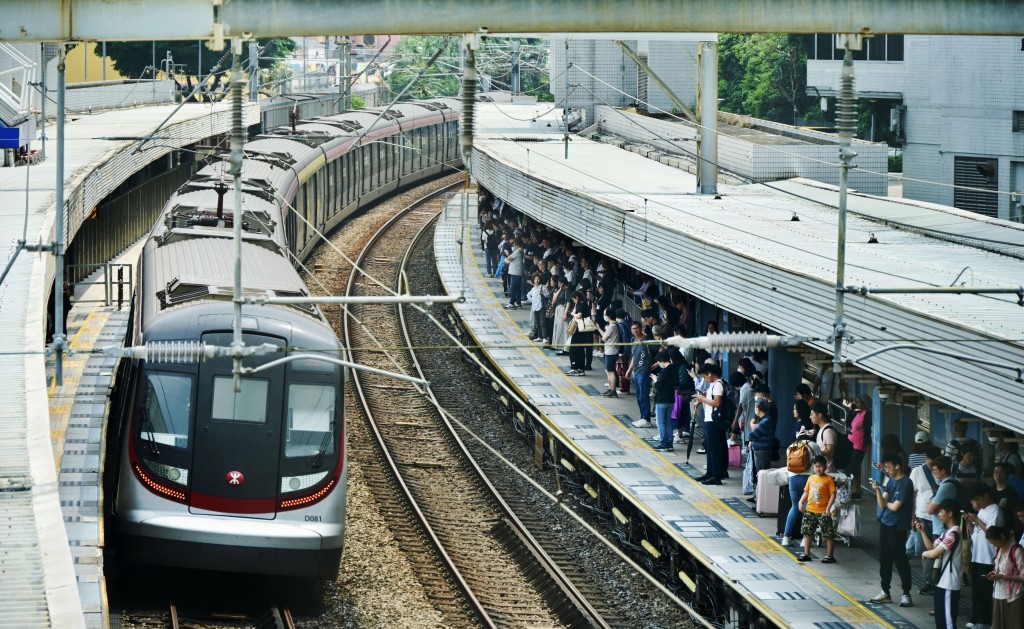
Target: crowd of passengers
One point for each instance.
(931, 502)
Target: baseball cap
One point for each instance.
(921, 437)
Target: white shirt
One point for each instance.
(922, 492)
(981, 551)
(714, 392)
(952, 575)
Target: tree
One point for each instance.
(132, 58)
(493, 60)
(765, 75)
(411, 54)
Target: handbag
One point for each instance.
(572, 327)
(586, 324)
(848, 522)
(748, 475)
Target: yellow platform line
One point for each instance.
(74, 341)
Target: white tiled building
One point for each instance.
(960, 102)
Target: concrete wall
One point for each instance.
(960, 94)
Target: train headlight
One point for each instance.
(298, 483)
(177, 475)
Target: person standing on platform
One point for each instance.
(762, 435)
(860, 437)
(982, 554)
(664, 398)
(538, 297)
(827, 434)
(1006, 578)
(515, 275)
(640, 371)
(816, 504)
(610, 338)
(714, 437)
(947, 553)
(1003, 494)
(925, 484)
(489, 241)
(578, 309)
(895, 514)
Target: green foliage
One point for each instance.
(358, 102)
(896, 163)
(493, 60)
(764, 75)
(132, 58)
(411, 54)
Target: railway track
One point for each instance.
(479, 563)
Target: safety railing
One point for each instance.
(117, 280)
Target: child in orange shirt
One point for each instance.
(816, 504)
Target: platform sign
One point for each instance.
(10, 138)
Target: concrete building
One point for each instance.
(957, 103)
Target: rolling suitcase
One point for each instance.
(784, 505)
(767, 495)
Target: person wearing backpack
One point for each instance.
(924, 483)
(715, 405)
(799, 455)
(1006, 577)
(947, 553)
(489, 243)
(828, 436)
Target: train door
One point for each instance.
(237, 435)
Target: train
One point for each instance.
(252, 481)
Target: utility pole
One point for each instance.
(103, 51)
(346, 79)
(152, 69)
(515, 67)
(707, 163)
(846, 118)
(254, 71)
(235, 170)
(42, 107)
(58, 227)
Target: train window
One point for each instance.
(166, 409)
(310, 420)
(248, 405)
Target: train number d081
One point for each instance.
(312, 518)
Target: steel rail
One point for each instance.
(580, 602)
(460, 582)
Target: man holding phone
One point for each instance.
(895, 512)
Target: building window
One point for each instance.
(1018, 122)
(822, 46)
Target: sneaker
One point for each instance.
(537, 340)
(805, 557)
(643, 423)
(906, 601)
(829, 559)
(927, 589)
(701, 451)
(881, 597)
(701, 479)
(752, 500)
(785, 540)
(712, 481)
(663, 448)
(598, 354)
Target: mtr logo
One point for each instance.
(235, 478)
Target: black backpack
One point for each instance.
(725, 413)
(844, 449)
(492, 241)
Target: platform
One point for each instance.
(718, 524)
(37, 565)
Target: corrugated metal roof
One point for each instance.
(743, 253)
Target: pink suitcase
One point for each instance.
(735, 460)
(767, 495)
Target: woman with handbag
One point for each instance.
(581, 332)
